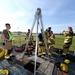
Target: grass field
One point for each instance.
(59, 42)
(20, 39)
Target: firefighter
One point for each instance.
(30, 43)
(68, 40)
(8, 37)
(50, 39)
(41, 45)
(31, 37)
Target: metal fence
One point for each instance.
(20, 40)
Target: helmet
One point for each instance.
(49, 28)
(67, 61)
(28, 29)
(4, 72)
(70, 28)
(64, 67)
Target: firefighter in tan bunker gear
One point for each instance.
(41, 45)
(50, 39)
(8, 37)
(68, 40)
(30, 43)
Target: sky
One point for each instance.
(58, 14)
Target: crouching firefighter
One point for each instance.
(50, 39)
(8, 37)
(68, 40)
(41, 45)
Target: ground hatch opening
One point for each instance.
(30, 66)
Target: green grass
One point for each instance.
(59, 42)
(20, 39)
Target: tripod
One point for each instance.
(38, 17)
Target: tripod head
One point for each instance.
(38, 13)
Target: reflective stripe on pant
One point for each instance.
(41, 50)
(8, 46)
(6, 54)
(65, 51)
(50, 49)
(66, 48)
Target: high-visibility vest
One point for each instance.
(68, 37)
(11, 36)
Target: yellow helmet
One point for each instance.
(67, 61)
(4, 71)
(2, 52)
(64, 67)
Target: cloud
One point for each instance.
(29, 7)
(20, 13)
(12, 19)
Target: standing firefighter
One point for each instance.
(50, 39)
(41, 45)
(7, 36)
(30, 43)
(31, 38)
(68, 40)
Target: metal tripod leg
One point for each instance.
(37, 42)
(28, 38)
(47, 50)
(36, 47)
(37, 17)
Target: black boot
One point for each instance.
(10, 53)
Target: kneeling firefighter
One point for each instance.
(41, 45)
(8, 37)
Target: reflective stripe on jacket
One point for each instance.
(68, 36)
(11, 36)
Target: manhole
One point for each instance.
(30, 66)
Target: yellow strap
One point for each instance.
(11, 36)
